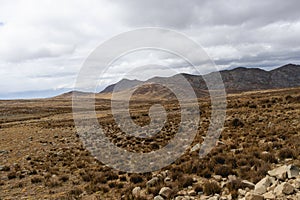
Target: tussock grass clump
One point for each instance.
(211, 187)
(223, 170)
(286, 153)
(36, 179)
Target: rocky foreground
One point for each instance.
(281, 183)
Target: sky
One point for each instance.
(43, 44)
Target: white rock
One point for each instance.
(196, 147)
(292, 171)
(248, 184)
(158, 198)
(283, 189)
(136, 192)
(214, 198)
(252, 196)
(269, 195)
(241, 192)
(263, 184)
(152, 182)
(279, 173)
(217, 177)
(165, 192)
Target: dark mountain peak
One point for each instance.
(287, 67)
(122, 85)
(235, 80)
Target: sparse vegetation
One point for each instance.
(256, 136)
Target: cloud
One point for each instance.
(44, 43)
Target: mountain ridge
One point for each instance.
(240, 79)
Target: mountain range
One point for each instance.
(236, 80)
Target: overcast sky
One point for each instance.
(43, 44)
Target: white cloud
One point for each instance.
(44, 43)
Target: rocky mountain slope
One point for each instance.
(236, 80)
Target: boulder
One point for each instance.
(253, 196)
(284, 189)
(136, 192)
(263, 184)
(269, 195)
(165, 192)
(196, 147)
(158, 198)
(279, 173)
(248, 184)
(292, 171)
(152, 182)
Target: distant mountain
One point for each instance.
(235, 80)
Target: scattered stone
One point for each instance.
(4, 168)
(217, 177)
(196, 147)
(192, 193)
(214, 198)
(279, 173)
(248, 184)
(3, 152)
(269, 195)
(167, 179)
(253, 196)
(263, 184)
(154, 181)
(241, 192)
(284, 188)
(136, 192)
(292, 171)
(165, 192)
(158, 198)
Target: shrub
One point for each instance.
(211, 187)
(198, 188)
(75, 192)
(186, 181)
(12, 175)
(286, 153)
(110, 175)
(223, 170)
(64, 178)
(269, 157)
(219, 159)
(36, 180)
(135, 178)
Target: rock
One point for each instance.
(165, 192)
(136, 192)
(297, 183)
(248, 184)
(192, 193)
(167, 179)
(279, 173)
(214, 198)
(232, 178)
(3, 152)
(252, 196)
(284, 189)
(241, 192)
(196, 147)
(4, 168)
(269, 195)
(154, 181)
(292, 171)
(263, 184)
(158, 198)
(217, 177)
